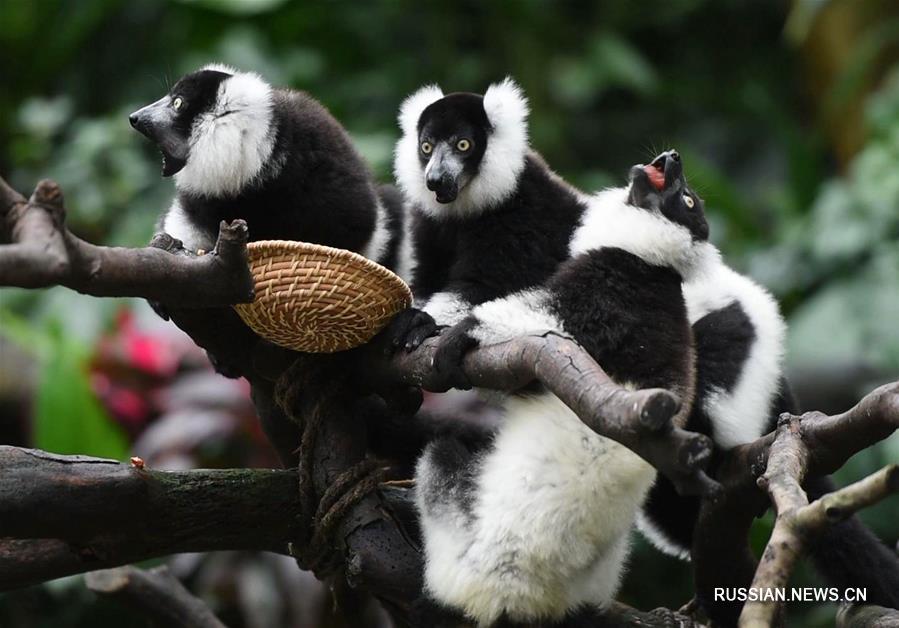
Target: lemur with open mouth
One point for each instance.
(741, 390)
(239, 148)
(535, 525)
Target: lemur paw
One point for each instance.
(455, 342)
(408, 330)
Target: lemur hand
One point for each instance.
(455, 342)
(408, 330)
(165, 242)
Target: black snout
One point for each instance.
(140, 122)
(444, 186)
(668, 157)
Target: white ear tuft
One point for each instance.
(506, 106)
(219, 67)
(414, 105)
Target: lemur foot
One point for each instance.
(408, 330)
(455, 343)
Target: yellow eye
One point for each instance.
(463, 145)
(426, 148)
(176, 104)
(688, 200)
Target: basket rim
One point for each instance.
(342, 255)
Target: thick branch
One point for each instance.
(79, 513)
(867, 616)
(639, 420)
(39, 251)
(156, 593)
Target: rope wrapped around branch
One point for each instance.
(320, 515)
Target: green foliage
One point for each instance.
(67, 417)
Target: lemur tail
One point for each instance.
(848, 554)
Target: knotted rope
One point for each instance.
(320, 515)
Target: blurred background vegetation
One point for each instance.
(786, 113)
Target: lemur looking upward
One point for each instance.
(534, 526)
(488, 216)
(740, 392)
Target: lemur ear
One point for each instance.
(506, 107)
(414, 105)
(220, 67)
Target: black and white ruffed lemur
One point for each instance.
(239, 148)
(534, 525)
(487, 215)
(276, 158)
(741, 390)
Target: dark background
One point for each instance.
(786, 114)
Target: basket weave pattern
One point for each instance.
(319, 299)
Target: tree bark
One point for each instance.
(155, 593)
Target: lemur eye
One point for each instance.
(463, 145)
(688, 200)
(426, 148)
(177, 103)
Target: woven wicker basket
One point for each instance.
(319, 299)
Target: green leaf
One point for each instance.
(68, 417)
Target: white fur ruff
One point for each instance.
(405, 263)
(741, 415)
(554, 506)
(178, 225)
(380, 237)
(507, 145)
(446, 308)
(658, 538)
(231, 145)
(611, 222)
(518, 314)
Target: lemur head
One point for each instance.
(214, 129)
(661, 186)
(462, 153)
(657, 217)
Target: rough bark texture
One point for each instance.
(38, 251)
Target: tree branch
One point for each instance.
(867, 616)
(640, 420)
(156, 593)
(76, 514)
(810, 445)
(38, 250)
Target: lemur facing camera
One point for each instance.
(488, 216)
(535, 525)
(239, 148)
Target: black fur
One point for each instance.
(629, 315)
(848, 554)
(453, 129)
(513, 246)
(322, 194)
(315, 186)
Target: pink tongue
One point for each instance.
(656, 176)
